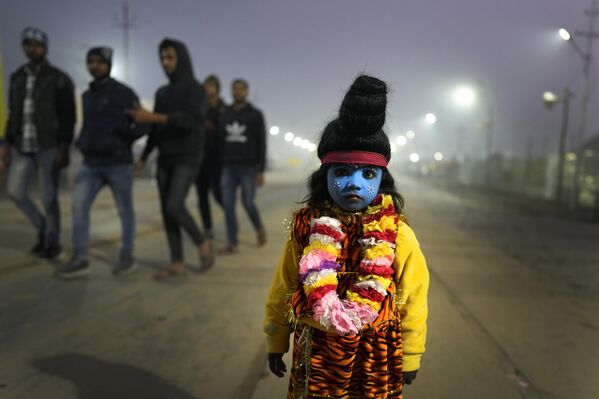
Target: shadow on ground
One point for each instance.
(99, 379)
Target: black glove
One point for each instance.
(276, 364)
(409, 376)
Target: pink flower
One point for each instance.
(311, 261)
(364, 313)
(341, 321)
(380, 261)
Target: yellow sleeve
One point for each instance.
(412, 283)
(276, 325)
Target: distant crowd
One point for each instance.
(200, 141)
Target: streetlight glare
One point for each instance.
(312, 147)
(550, 97)
(297, 141)
(464, 96)
(438, 156)
(430, 118)
(401, 140)
(410, 134)
(564, 34)
(288, 137)
(414, 157)
(274, 130)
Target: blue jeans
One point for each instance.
(88, 182)
(22, 170)
(232, 176)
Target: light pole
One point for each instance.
(587, 59)
(465, 98)
(550, 99)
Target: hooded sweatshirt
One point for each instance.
(183, 100)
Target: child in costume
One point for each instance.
(352, 282)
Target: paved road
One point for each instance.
(506, 321)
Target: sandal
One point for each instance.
(169, 272)
(229, 250)
(207, 260)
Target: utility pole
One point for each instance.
(489, 128)
(126, 23)
(587, 56)
(561, 149)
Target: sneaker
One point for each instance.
(261, 237)
(51, 252)
(73, 269)
(125, 266)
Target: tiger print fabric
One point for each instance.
(327, 365)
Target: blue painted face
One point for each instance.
(353, 187)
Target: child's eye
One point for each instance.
(369, 173)
(341, 172)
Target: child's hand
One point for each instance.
(409, 377)
(276, 364)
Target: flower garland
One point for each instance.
(319, 269)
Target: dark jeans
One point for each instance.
(89, 181)
(208, 180)
(233, 176)
(22, 170)
(174, 182)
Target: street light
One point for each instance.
(414, 157)
(288, 137)
(464, 97)
(297, 141)
(274, 130)
(564, 34)
(438, 156)
(430, 118)
(550, 100)
(410, 134)
(401, 140)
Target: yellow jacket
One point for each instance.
(411, 279)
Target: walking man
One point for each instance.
(243, 154)
(209, 176)
(105, 142)
(178, 133)
(38, 136)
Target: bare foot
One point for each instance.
(172, 270)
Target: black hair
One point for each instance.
(360, 122)
(213, 79)
(241, 81)
(319, 197)
(359, 126)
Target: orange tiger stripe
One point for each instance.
(367, 365)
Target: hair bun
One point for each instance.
(363, 108)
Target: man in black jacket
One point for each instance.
(105, 142)
(242, 152)
(209, 175)
(178, 132)
(38, 135)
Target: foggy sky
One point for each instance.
(300, 56)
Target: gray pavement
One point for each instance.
(506, 320)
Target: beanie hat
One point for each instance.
(103, 52)
(356, 136)
(38, 35)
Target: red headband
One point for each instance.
(352, 156)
